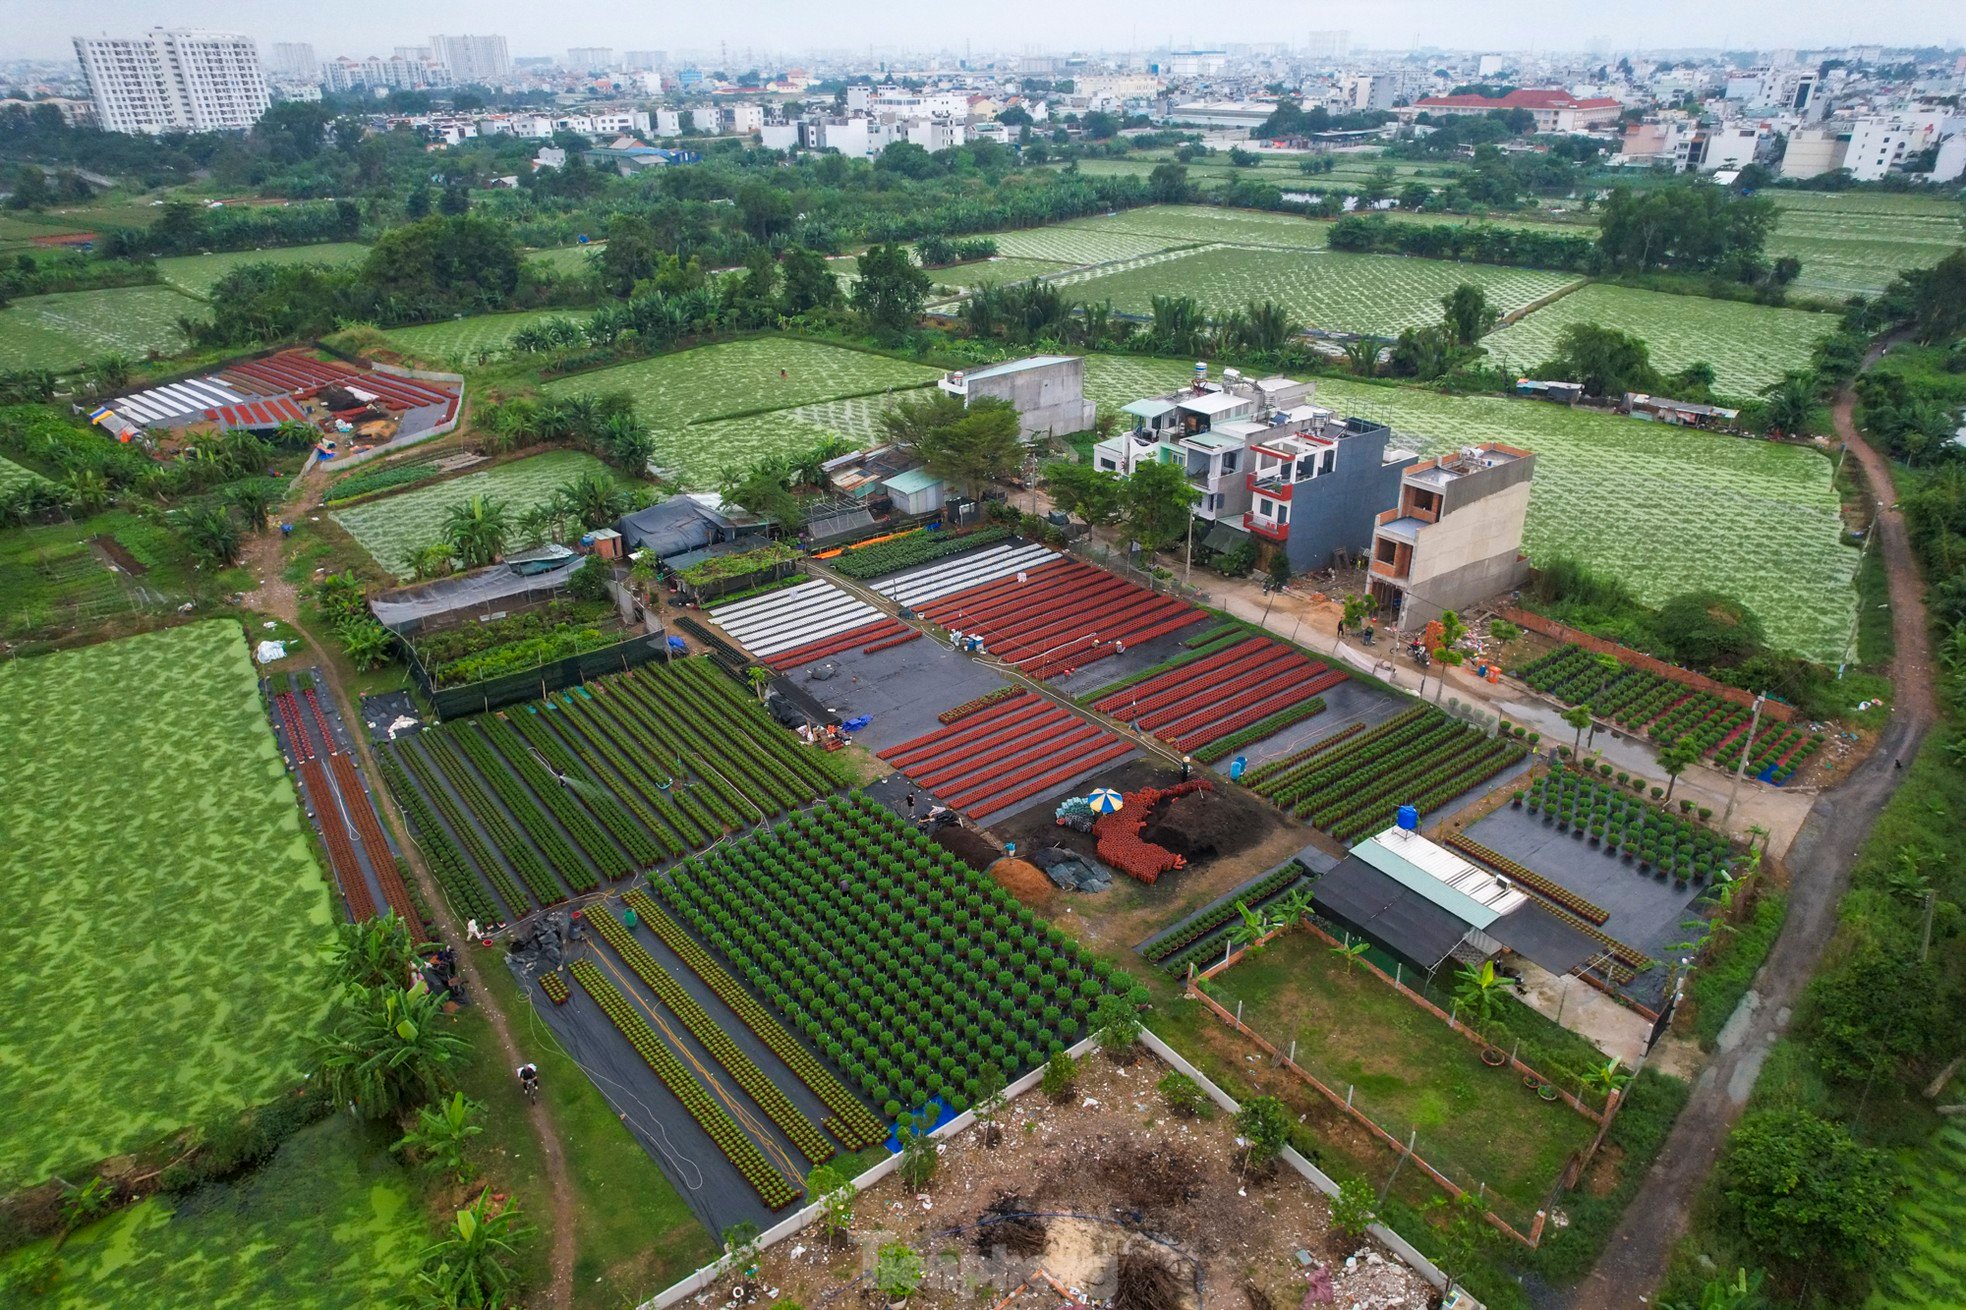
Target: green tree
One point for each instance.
(88, 491)
(1091, 493)
(808, 284)
(1789, 406)
(1578, 717)
(983, 445)
(1704, 629)
(469, 1267)
(590, 580)
(1467, 313)
(1168, 184)
(1279, 570)
(831, 1190)
(1264, 1124)
(1873, 1015)
(365, 642)
(1808, 1197)
(434, 559)
(1061, 1074)
(254, 500)
(475, 531)
(1156, 503)
(1606, 361)
(1741, 1291)
(213, 536)
(1352, 1210)
(1674, 759)
(913, 418)
(919, 1157)
(892, 289)
(594, 500)
(1478, 991)
(386, 1051)
(1357, 610)
(442, 1133)
(897, 1271)
(1116, 1023)
(378, 952)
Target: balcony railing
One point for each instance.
(1268, 529)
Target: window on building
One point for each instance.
(1329, 462)
(1229, 460)
(1384, 550)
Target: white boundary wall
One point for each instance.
(804, 1218)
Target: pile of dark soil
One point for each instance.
(1204, 824)
(971, 847)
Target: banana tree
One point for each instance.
(1480, 990)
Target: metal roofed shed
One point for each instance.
(1406, 922)
(1150, 408)
(915, 492)
(1213, 402)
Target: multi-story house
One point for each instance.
(1455, 537)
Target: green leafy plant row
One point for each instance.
(1200, 927)
(465, 892)
(915, 548)
(1257, 731)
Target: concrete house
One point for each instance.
(1048, 392)
(1455, 538)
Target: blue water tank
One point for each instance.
(1409, 818)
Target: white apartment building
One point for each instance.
(742, 120)
(295, 59)
(472, 58)
(1371, 90)
(1877, 146)
(671, 122)
(592, 58)
(174, 80)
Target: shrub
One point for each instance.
(1061, 1074)
(1183, 1095)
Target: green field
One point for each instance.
(742, 377)
(698, 453)
(330, 1221)
(1929, 1273)
(1078, 246)
(196, 275)
(172, 917)
(13, 475)
(55, 583)
(1856, 241)
(1749, 346)
(69, 328)
(392, 528)
(464, 341)
(1002, 269)
(1338, 292)
(1667, 510)
(566, 260)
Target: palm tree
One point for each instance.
(1268, 326)
(388, 1050)
(1578, 717)
(1789, 403)
(593, 500)
(254, 500)
(760, 678)
(441, 1133)
(213, 536)
(109, 373)
(476, 531)
(467, 1269)
(1362, 356)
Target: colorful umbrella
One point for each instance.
(1105, 800)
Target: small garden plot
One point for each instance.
(470, 340)
(1199, 940)
(619, 775)
(196, 275)
(1059, 618)
(1374, 295)
(872, 559)
(1931, 1273)
(1351, 784)
(746, 377)
(1749, 346)
(909, 971)
(948, 577)
(807, 622)
(1641, 701)
(69, 328)
(330, 1220)
(180, 880)
(1013, 749)
(1665, 511)
(1407, 1071)
(392, 528)
(1001, 270)
(567, 261)
(1077, 246)
(1254, 685)
(1621, 824)
(1200, 224)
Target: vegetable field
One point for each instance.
(1339, 292)
(742, 377)
(464, 341)
(196, 275)
(1665, 510)
(1351, 783)
(909, 971)
(1929, 1273)
(156, 863)
(567, 261)
(1749, 346)
(13, 475)
(1856, 242)
(69, 328)
(549, 799)
(1001, 270)
(1207, 224)
(392, 528)
(1077, 245)
(328, 1222)
(696, 453)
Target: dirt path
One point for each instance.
(281, 599)
(1819, 862)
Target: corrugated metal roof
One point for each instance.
(914, 480)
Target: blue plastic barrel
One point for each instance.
(1409, 818)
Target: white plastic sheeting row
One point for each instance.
(796, 616)
(947, 577)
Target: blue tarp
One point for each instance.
(938, 1107)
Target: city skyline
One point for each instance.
(366, 26)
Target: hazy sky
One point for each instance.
(361, 27)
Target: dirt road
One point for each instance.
(1819, 863)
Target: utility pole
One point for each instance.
(1188, 569)
(1741, 767)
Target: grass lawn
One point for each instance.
(196, 275)
(1340, 292)
(329, 1221)
(174, 920)
(1749, 346)
(1410, 1071)
(1667, 510)
(69, 328)
(464, 341)
(392, 528)
(742, 377)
